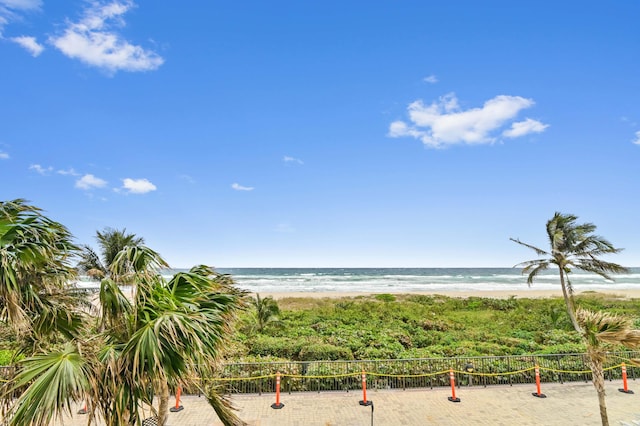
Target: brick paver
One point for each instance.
(566, 404)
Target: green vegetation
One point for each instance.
(419, 326)
(118, 358)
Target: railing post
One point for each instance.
(624, 380)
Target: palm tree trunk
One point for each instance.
(568, 300)
(163, 406)
(595, 362)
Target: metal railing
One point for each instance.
(417, 373)
(409, 373)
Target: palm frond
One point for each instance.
(222, 406)
(538, 251)
(50, 382)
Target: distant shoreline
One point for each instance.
(493, 294)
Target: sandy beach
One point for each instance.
(496, 294)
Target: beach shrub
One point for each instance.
(385, 297)
(419, 325)
(564, 348)
(275, 346)
(558, 337)
(324, 351)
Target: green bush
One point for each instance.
(275, 346)
(324, 351)
(385, 297)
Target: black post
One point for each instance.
(371, 413)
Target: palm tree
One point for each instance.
(265, 312)
(169, 334)
(111, 242)
(572, 245)
(601, 329)
(35, 270)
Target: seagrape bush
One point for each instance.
(416, 326)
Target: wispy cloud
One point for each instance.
(637, 139)
(444, 122)
(288, 159)
(432, 79)
(89, 181)
(30, 44)
(68, 172)
(39, 169)
(138, 186)
(95, 41)
(525, 127)
(187, 178)
(4, 155)
(13, 10)
(239, 187)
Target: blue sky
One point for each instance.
(337, 134)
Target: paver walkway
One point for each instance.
(566, 404)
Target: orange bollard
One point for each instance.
(452, 379)
(624, 380)
(277, 404)
(538, 393)
(177, 407)
(364, 390)
(84, 409)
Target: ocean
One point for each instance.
(407, 280)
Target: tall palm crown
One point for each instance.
(571, 245)
(111, 242)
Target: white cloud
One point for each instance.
(93, 40)
(4, 155)
(138, 186)
(637, 139)
(239, 187)
(68, 172)
(430, 79)
(444, 123)
(89, 181)
(42, 170)
(288, 159)
(30, 44)
(525, 127)
(12, 10)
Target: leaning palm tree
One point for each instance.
(35, 269)
(601, 330)
(571, 245)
